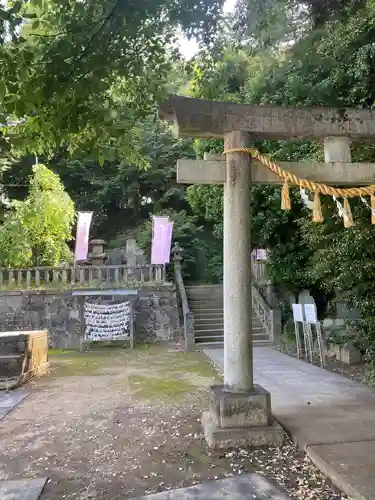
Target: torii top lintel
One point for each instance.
(201, 118)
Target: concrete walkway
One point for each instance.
(331, 417)
(9, 400)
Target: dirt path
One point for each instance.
(117, 424)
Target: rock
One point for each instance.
(350, 354)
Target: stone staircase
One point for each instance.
(206, 303)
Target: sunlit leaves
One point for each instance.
(66, 65)
(36, 230)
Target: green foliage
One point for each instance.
(120, 194)
(343, 264)
(35, 231)
(81, 74)
(279, 232)
(328, 60)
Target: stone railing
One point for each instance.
(264, 302)
(187, 315)
(269, 317)
(42, 277)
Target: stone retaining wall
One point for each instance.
(58, 312)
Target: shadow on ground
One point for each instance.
(118, 424)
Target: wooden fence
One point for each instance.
(41, 277)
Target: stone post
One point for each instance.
(337, 149)
(239, 411)
(131, 259)
(238, 353)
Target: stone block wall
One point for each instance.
(156, 315)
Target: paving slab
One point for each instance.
(23, 489)
(316, 406)
(9, 400)
(351, 466)
(330, 416)
(245, 487)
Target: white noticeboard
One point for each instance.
(297, 313)
(311, 314)
(106, 321)
(261, 254)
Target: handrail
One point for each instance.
(187, 314)
(269, 317)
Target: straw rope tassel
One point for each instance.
(316, 187)
(372, 202)
(348, 216)
(317, 215)
(285, 197)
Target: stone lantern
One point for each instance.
(97, 255)
(177, 255)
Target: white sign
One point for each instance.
(106, 321)
(297, 313)
(261, 254)
(311, 314)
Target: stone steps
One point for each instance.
(206, 303)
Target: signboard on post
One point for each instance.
(298, 318)
(82, 236)
(297, 313)
(261, 254)
(311, 314)
(311, 318)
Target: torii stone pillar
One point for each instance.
(238, 369)
(239, 411)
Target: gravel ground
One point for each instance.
(119, 424)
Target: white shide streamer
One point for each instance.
(365, 202)
(305, 199)
(106, 321)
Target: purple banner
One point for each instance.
(82, 237)
(168, 242)
(161, 240)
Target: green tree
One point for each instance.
(81, 74)
(35, 231)
(120, 194)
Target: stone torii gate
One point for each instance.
(239, 411)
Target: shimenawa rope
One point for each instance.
(316, 187)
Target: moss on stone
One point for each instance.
(157, 388)
(151, 371)
(194, 363)
(90, 363)
(60, 352)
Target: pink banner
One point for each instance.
(82, 237)
(168, 242)
(161, 240)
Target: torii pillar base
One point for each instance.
(239, 411)
(240, 419)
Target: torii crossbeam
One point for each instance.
(239, 411)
